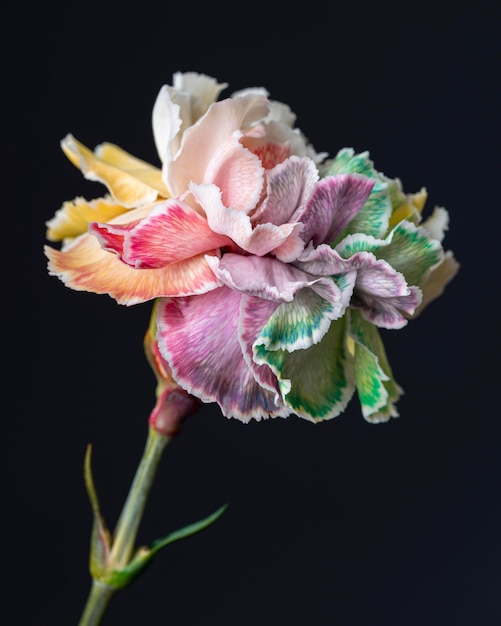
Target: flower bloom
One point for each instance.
(272, 266)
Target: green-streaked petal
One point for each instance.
(317, 383)
(408, 248)
(411, 251)
(376, 387)
(303, 322)
(373, 218)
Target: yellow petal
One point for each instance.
(410, 209)
(74, 216)
(131, 182)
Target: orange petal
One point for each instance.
(85, 266)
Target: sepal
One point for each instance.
(100, 545)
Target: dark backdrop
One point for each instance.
(344, 523)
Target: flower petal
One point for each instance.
(131, 182)
(434, 283)
(408, 249)
(376, 387)
(73, 218)
(237, 172)
(261, 240)
(372, 219)
(166, 121)
(289, 185)
(264, 277)
(335, 201)
(317, 383)
(170, 233)
(411, 250)
(85, 266)
(200, 141)
(303, 322)
(386, 312)
(198, 337)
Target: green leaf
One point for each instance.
(145, 555)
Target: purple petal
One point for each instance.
(334, 203)
(387, 312)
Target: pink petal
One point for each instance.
(255, 312)
(261, 240)
(198, 337)
(111, 236)
(201, 141)
(237, 172)
(172, 232)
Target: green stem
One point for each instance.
(127, 527)
(128, 523)
(97, 603)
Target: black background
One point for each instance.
(339, 524)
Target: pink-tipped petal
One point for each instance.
(198, 337)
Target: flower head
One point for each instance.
(273, 267)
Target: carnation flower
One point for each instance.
(272, 266)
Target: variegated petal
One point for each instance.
(376, 387)
(372, 219)
(85, 266)
(303, 322)
(335, 201)
(198, 337)
(317, 383)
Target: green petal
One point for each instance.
(411, 251)
(317, 383)
(376, 387)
